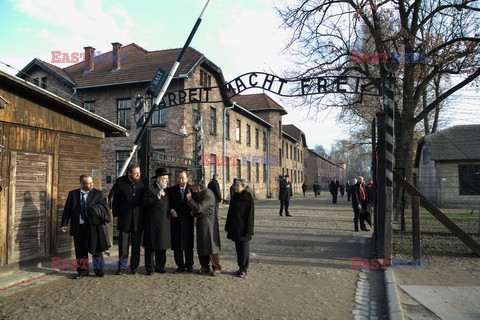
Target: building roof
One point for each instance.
(294, 132)
(258, 102)
(60, 105)
(50, 68)
(137, 65)
(454, 143)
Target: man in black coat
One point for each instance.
(128, 214)
(181, 224)
(334, 186)
(359, 203)
(75, 212)
(156, 221)
(284, 195)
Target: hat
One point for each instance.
(160, 172)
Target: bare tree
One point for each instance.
(440, 39)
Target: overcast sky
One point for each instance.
(238, 36)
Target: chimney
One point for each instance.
(116, 56)
(89, 54)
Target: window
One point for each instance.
(43, 82)
(40, 82)
(213, 165)
(248, 135)
(265, 173)
(257, 172)
(227, 126)
(120, 157)
(90, 106)
(226, 163)
(195, 114)
(213, 120)
(238, 132)
(264, 141)
(291, 151)
(123, 113)
(280, 129)
(249, 171)
(469, 179)
(239, 168)
(159, 117)
(257, 133)
(280, 150)
(205, 79)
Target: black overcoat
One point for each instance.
(127, 198)
(240, 217)
(97, 239)
(181, 227)
(285, 190)
(156, 219)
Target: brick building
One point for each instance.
(240, 136)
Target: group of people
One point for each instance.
(166, 216)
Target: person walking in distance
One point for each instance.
(334, 186)
(284, 195)
(359, 201)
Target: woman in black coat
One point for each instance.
(239, 224)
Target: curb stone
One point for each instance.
(394, 308)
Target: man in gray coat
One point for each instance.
(202, 203)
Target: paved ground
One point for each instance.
(300, 268)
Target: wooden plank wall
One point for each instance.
(77, 155)
(69, 156)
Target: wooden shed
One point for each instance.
(46, 143)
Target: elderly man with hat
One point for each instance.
(201, 201)
(156, 237)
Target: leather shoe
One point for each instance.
(288, 215)
(100, 274)
(119, 272)
(81, 276)
(280, 214)
(365, 229)
(133, 271)
(179, 270)
(236, 273)
(160, 270)
(149, 273)
(189, 269)
(203, 271)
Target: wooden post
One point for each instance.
(416, 227)
(381, 187)
(387, 242)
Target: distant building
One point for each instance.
(447, 167)
(322, 170)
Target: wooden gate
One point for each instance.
(29, 216)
